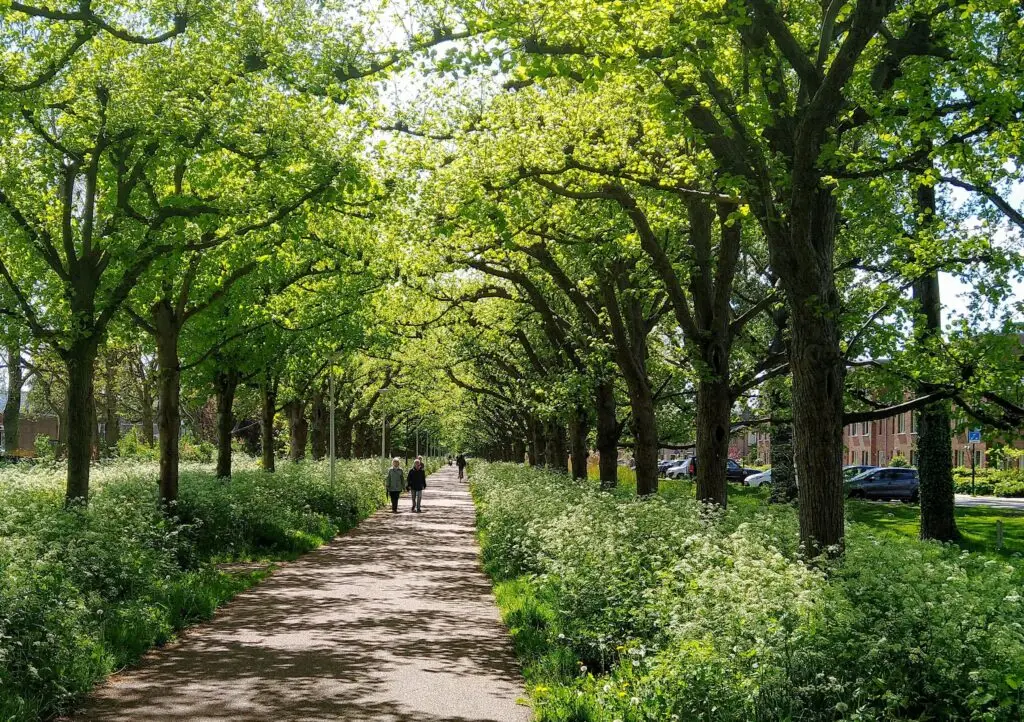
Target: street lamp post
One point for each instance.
(333, 404)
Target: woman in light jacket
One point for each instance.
(395, 483)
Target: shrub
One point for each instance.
(672, 611)
(84, 591)
(130, 446)
(990, 482)
(43, 447)
(899, 460)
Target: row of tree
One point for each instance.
(730, 210)
(564, 225)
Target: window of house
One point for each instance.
(865, 428)
(977, 457)
(913, 458)
(881, 458)
(901, 424)
(865, 458)
(913, 422)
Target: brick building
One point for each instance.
(29, 427)
(876, 442)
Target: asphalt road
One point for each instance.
(994, 501)
(393, 622)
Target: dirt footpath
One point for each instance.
(393, 621)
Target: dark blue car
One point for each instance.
(887, 482)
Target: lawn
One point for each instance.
(976, 524)
(642, 610)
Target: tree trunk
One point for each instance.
(319, 426)
(12, 408)
(359, 444)
(344, 430)
(645, 440)
(536, 450)
(714, 413)
(934, 441)
(783, 486)
(268, 390)
(607, 435)
(298, 430)
(561, 447)
(518, 451)
(80, 361)
(169, 410)
(552, 454)
(111, 424)
(226, 383)
(803, 255)
(146, 420)
(935, 467)
(818, 375)
(579, 427)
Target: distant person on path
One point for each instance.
(417, 482)
(395, 483)
(460, 461)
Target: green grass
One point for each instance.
(977, 525)
(644, 610)
(86, 591)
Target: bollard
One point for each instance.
(999, 534)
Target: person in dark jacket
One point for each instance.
(460, 461)
(417, 482)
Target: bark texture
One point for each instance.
(784, 486)
(714, 406)
(80, 361)
(298, 429)
(579, 427)
(608, 432)
(934, 440)
(268, 391)
(12, 407)
(169, 408)
(226, 383)
(319, 429)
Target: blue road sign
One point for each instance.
(974, 436)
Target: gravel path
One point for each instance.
(394, 621)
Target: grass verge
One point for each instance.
(659, 609)
(85, 591)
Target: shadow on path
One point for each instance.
(394, 621)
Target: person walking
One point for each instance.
(460, 461)
(417, 482)
(395, 483)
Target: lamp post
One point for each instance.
(331, 425)
(384, 431)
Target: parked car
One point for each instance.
(687, 469)
(666, 464)
(851, 471)
(762, 479)
(681, 469)
(765, 477)
(888, 482)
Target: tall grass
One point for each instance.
(643, 610)
(86, 590)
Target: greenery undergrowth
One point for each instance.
(86, 590)
(660, 609)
